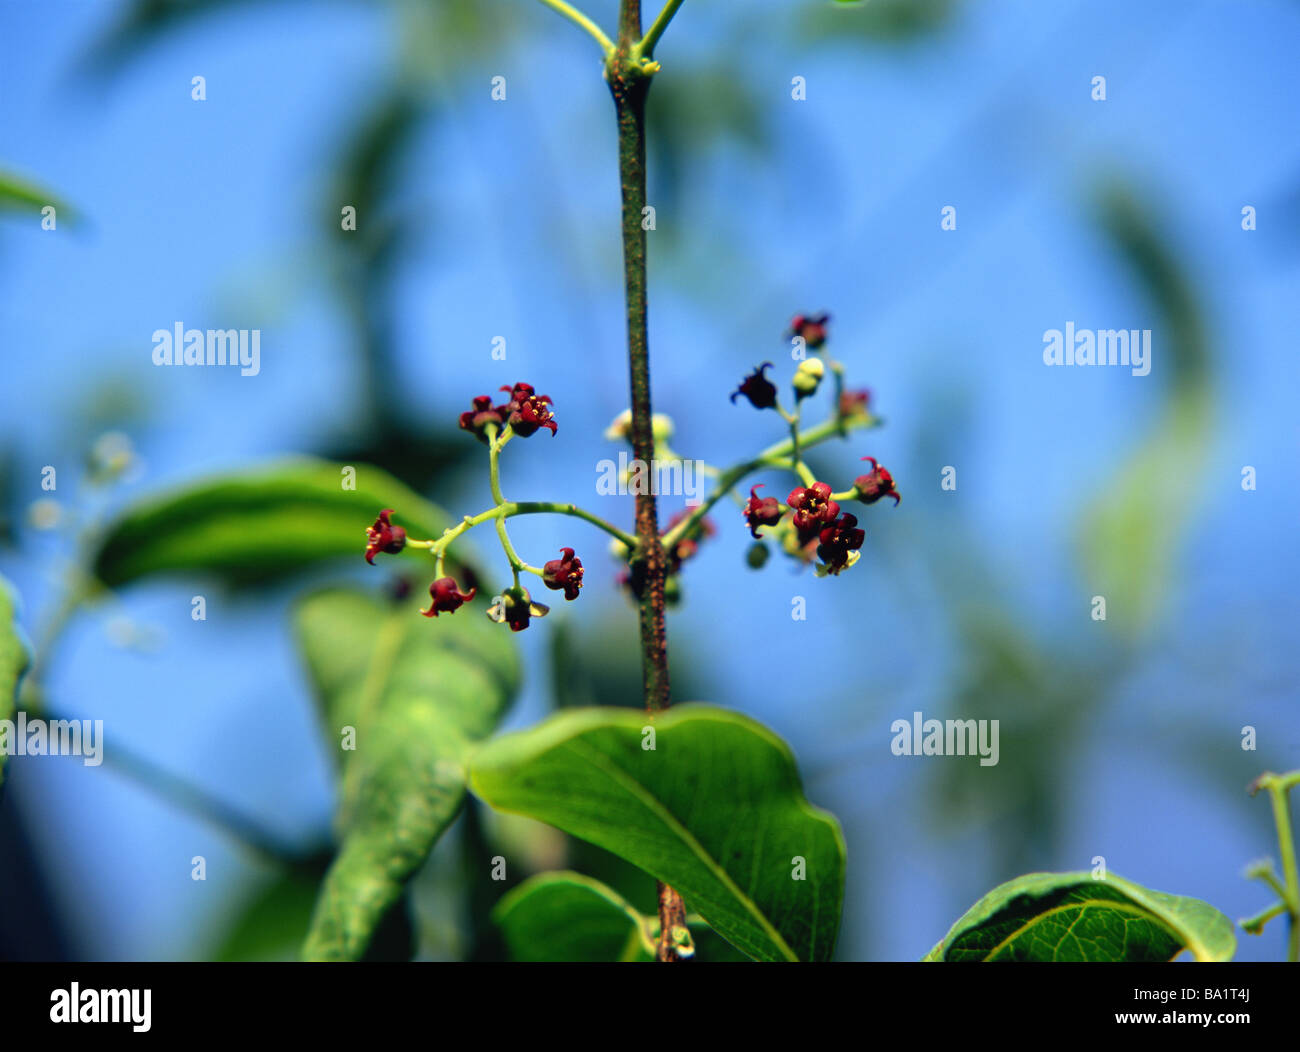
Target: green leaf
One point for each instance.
(14, 655)
(260, 525)
(568, 917)
(716, 809)
(1130, 542)
(20, 195)
(419, 693)
(1075, 917)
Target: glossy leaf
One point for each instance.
(716, 809)
(13, 655)
(418, 693)
(1074, 917)
(262, 524)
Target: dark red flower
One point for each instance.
(837, 540)
(528, 411)
(764, 512)
(812, 327)
(760, 391)
(476, 420)
(564, 573)
(383, 536)
(447, 597)
(876, 484)
(515, 608)
(855, 403)
(813, 507)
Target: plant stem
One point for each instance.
(1277, 791)
(629, 83)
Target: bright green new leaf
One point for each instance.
(13, 655)
(258, 525)
(416, 694)
(715, 809)
(1074, 917)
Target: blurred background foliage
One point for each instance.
(1119, 739)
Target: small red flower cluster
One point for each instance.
(525, 411)
(513, 607)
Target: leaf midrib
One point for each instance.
(1118, 904)
(660, 810)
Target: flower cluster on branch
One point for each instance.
(810, 526)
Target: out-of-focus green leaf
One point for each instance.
(597, 662)
(883, 21)
(14, 656)
(260, 525)
(418, 693)
(716, 809)
(20, 195)
(1074, 917)
(272, 923)
(1130, 535)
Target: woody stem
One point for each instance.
(629, 83)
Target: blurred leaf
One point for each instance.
(598, 662)
(260, 525)
(1130, 537)
(881, 21)
(19, 195)
(14, 656)
(1073, 917)
(144, 22)
(716, 810)
(568, 917)
(692, 112)
(418, 694)
(272, 923)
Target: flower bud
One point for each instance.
(811, 327)
(808, 377)
(764, 512)
(757, 555)
(760, 391)
(514, 607)
(447, 597)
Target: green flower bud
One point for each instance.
(757, 555)
(808, 377)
